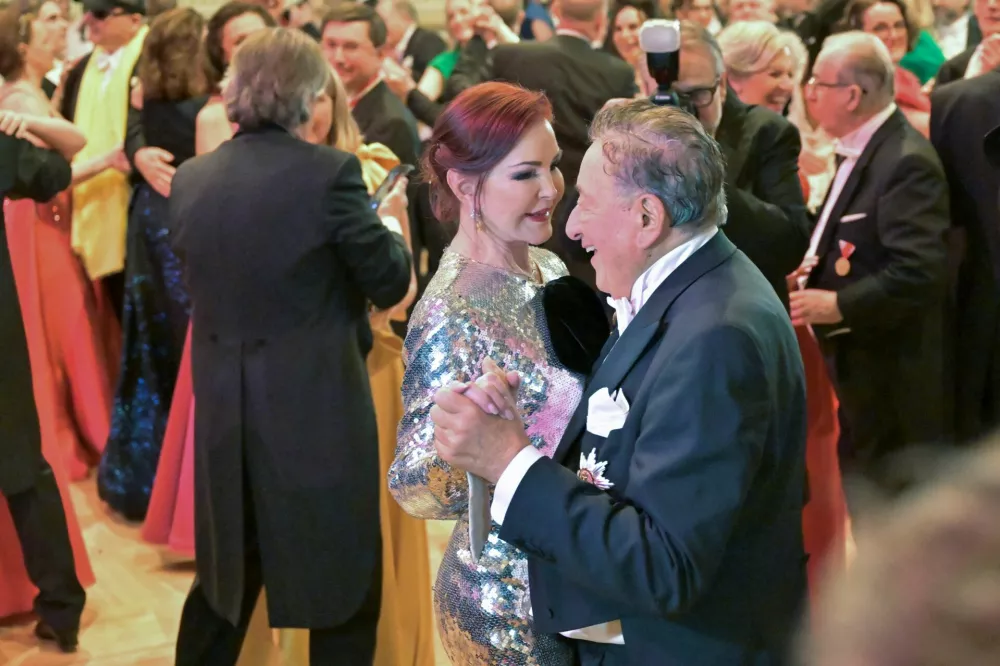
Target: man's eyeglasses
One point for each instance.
(105, 14)
(700, 97)
(813, 82)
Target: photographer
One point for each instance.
(767, 213)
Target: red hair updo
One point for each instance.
(474, 133)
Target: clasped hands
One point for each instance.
(477, 425)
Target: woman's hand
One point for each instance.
(13, 124)
(395, 203)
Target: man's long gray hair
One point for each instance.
(665, 152)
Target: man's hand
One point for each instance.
(468, 438)
(154, 165)
(815, 306)
(118, 161)
(804, 269)
(399, 80)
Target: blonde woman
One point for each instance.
(765, 66)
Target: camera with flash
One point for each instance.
(661, 41)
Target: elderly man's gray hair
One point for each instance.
(866, 63)
(695, 35)
(665, 152)
(275, 77)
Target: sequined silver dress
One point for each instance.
(469, 312)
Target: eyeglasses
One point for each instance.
(813, 82)
(700, 97)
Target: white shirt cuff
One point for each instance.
(392, 224)
(510, 480)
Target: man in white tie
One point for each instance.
(667, 528)
(874, 274)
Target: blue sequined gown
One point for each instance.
(154, 324)
(469, 312)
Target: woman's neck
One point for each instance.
(32, 75)
(483, 247)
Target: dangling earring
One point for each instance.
(476, 218)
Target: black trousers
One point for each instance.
(40, 521)
(206, 638)
(114, 287)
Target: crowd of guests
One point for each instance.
(206, 241)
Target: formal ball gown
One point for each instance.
(154, 322)
(471, 312)
(28, 250)
(67, 317)
(405, 631)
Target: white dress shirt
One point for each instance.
(954, 39)
(626, 309)
(404, 42)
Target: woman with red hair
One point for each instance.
(493, 169)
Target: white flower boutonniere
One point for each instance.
(592, 471)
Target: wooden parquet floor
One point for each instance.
(133, 611)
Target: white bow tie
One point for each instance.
(105, 61)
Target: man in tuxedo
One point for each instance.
(578, 79)
(667, 528)
(767, 212)
(407, 42)
(26, 480)
(875, 293)
(354, 43)
(95, 96)
(981, 56)
(961, 115)
(955, 27)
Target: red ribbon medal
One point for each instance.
(843, 264)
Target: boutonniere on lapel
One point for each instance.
(592, 471)
(606, 412)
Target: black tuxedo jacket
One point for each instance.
(954, 69)
(578, 80)
(893, 210)
(697, 548)
(423, 46)
(767, 212)
(281, 279)
(383, 118)
(28, 172)
(961, 115)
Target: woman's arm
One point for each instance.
(431, 84)
(113, 159)
(422, 484)
(541, 30)
(58, 134)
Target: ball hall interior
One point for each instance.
(523, 332)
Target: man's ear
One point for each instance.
(723, 87)
(653, 220)
(463, 187)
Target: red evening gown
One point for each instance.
(824, 519)
(59, 308)
(170, 519)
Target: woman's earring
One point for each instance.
(476, 215)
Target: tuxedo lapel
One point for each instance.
(846, 195)
(733, 138)
(648, 325)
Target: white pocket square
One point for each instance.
(606, 412)
(854, 218)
